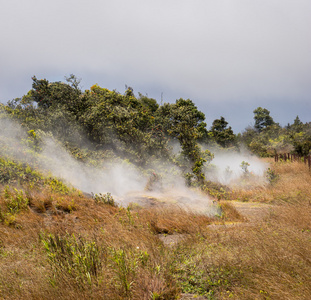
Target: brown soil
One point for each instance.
(252, 211)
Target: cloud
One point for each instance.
(218, 53)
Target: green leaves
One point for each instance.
(262, 118)
(134, 128)
(81, 259)
(221, 134)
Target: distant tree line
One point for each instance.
(268, 138)
(101, 123)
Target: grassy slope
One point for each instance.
(61, 245)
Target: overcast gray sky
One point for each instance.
(228, 56)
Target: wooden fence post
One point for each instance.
(294, 157)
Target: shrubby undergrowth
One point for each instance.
(60, 242)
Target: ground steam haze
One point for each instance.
(118, 178)
(123, 180)
(226, 167)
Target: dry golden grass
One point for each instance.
(270, 259)
(291, 184)
(230, 213)
(172, 219)
(25, 270)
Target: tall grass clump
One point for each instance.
(12, 202)
(15, 200)
(75, 256)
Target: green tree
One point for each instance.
(74, 81)
(297, 126)
(58, 95)
(123, 125)
(222, 134)
(148, 103)
(302, 141)
(248, 135)
(262, 118)
(183, 121)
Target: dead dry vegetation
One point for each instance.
(55, 246)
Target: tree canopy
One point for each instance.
(103, 123)
(262, 118)
(222, 134)
(135, 128)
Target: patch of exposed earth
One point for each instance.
(252, 211)
(186, 199)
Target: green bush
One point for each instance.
(105, 199)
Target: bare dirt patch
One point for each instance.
(252, 211)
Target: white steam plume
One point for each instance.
(226, 167)
(121, 178)
(118, 178)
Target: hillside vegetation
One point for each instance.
(73, 164)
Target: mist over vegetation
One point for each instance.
(114, 196)
(104, 141)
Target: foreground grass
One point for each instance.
(66, 246)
